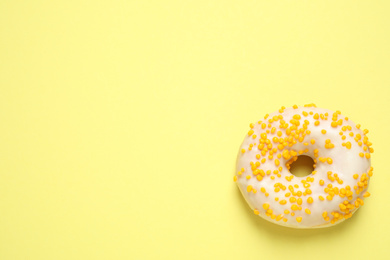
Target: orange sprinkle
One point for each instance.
(294, 207)
(282, 202)
(366, 194)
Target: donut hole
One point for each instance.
(303, 166)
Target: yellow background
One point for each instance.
(120, 122)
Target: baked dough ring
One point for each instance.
(331, 193)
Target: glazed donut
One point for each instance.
(331, 193)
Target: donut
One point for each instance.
(333, 191)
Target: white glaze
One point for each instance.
(346, 163)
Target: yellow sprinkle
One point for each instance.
(294, 207)
(265, 206)
(366, 194)
(323, 131)
(310, 200)
(249, 188)
(299, 219)
(256, 212)
(277, 162)
(282, 202)
(308, 211)
(235, 178)
(321, 198)
(242, 150)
